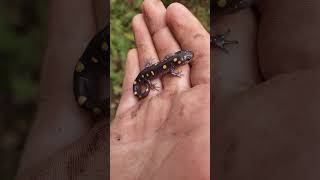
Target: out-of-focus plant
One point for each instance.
(22, 41)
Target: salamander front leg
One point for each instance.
(176, 73)
(220, 41)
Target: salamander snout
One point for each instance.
(186, 56)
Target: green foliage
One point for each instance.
(122, 38)
(22, 39)
(22, 28)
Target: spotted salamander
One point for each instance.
(142, 84)
(89, 72)
(223, 7)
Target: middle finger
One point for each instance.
(155, 12)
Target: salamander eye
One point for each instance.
(186, 58)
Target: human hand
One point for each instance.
(266, 109)
(167, 134)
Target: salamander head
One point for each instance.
(184, 57)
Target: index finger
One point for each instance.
(191, 35)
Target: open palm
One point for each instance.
(167, 134)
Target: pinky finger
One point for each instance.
(128, 99)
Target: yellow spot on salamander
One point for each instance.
(222, 3)
(134, 82)
(142, 76)
(179, 62)
(80, 67)
(139, 80)
(104, 46)
(164, 66)
(175, 59)
(82, 100)
(135, 93)
(152, 73)
(96, 110)
(95, 60)
(147, 75)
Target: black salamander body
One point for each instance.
(92, 65)
(142, 84)
(223, 7)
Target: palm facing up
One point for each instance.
(167, 134)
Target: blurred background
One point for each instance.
(23, 26)
(122, 38)
(23, 30)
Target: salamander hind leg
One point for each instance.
(154, 86)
